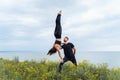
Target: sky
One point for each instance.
(28, 25)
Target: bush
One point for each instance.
(47, 70)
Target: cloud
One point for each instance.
(28, 20)
(103, 44)
(108, 48)
(91, 15)
(87, 2)
(34, 20)
(21, 19)
(12, 43)
(88, 29)
(112, 8)
(97, 16)
(4, 3)
(45, 33)
(19, 33)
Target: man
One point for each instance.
(69, 53)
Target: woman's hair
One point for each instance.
(52, 51)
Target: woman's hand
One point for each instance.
(61, 60)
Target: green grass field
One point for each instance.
(47, 70)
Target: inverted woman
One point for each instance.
(57, 33)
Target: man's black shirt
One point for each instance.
(68, 50)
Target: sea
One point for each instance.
(111, 58)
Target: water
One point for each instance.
(111, 58)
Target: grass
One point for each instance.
(47, 70)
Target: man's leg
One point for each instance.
(61, 64)
(73, 60)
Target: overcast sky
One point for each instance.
(28, 25)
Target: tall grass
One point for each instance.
(47, 70)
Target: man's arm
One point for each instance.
(74, 50)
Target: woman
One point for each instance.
(58, 31)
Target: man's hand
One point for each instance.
(74, 51)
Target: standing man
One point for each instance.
(69, 53)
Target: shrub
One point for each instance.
(47, 70)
